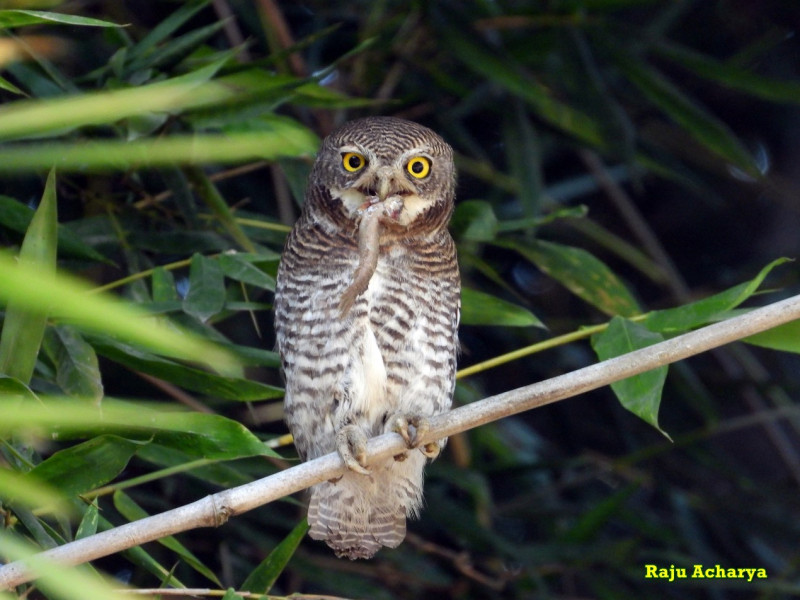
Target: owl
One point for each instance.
(367, 306)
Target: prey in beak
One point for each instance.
(376, 201)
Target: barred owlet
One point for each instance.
(366, 314)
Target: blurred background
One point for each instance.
(660, 139)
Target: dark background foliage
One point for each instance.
(661, 137)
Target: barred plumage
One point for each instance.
(389, 359)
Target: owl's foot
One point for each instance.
(401, 424)
(351, 444)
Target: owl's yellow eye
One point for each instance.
(353, 161)
(419, 167)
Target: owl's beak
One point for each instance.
(390, 183)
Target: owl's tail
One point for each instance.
(358, 514)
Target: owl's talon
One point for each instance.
(431, 450)
(401, 424)
(351, 444)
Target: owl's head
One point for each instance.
(384, 160)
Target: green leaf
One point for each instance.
(206, 295)
(209, 384)
(475, 221)
(264, 576)
(694, 119)
(103, 313)
(689, 316)
(785, 338)
(17, 217)
(198, 435)
(58, 581)
(88, 524)
(133, 512)
(23, 327)
(581, 273)
(163, 286)
(241, 268)
(505, 72)
(77, 370)
(122, 155)
(32, 493)
(19, 18)
(85, 466)
(6, 85)
(13, 390)
(479, 308)
(732, 76)
(640, 394)
(166, 27)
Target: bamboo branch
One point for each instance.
(214, 510)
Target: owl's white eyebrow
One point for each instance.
(351, 148)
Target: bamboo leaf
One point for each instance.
(121, 155)
(785, 338)
(640, 394)
(694, 314)
(209, 384)
(85, 466)
(129, 509)
(11, 18)
(479, 308)
(17, 217)
(206, 296)
(241, 268)
(104, 313)
(581, 273)
(77, 370)
(475, 221)
(23, 327)
(264, 576)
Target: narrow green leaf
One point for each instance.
(175, 51)
(197, 435)
(228, 388)
(23, 327)
(640, 394)
(474, 221)
(689, 316)
(167, 27)
(581, 273)
(17, 18)
(88, 524)
(19, 488)
(785, 338)
(85, 466)
(6, 85)
(695, 120)
(503, 71)
(163, 286)
(58, 581)
(598, 516)
(122, 155)
(129, 509)
(17, 216)
(140, 557)
(209, 193)
(77, 370)
(732, 76)
(238, 267)
(479, 308)
(26, 118)
(13, 391)
(104, 313)
(264, 576)
(206, 295)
